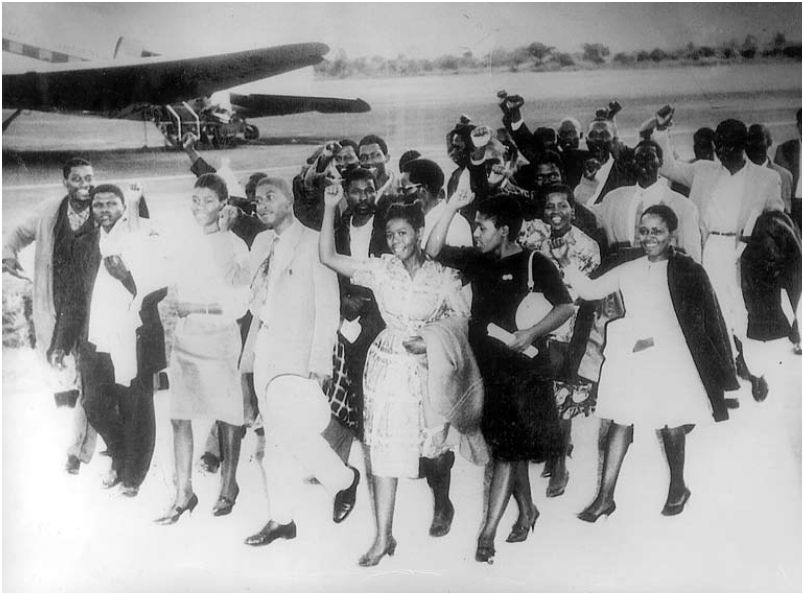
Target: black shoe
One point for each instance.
(210, 463)
(72, 465)
(519, 532)
(271, 532)
(732, 403)
(225, 504)
(485, 551)
(591, 516)
(557, 485)
(174, 514)
(759, 388)
(442, 520)
(129, 491)
(678, 507)
(345, 499)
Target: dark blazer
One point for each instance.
(371, 320)
(704, 330)
(73, 329)
(788, 155)
(770, 262)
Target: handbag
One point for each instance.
(534, 306)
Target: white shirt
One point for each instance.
(360, 238)
(459, 233)
(722, 212)
(587, 191)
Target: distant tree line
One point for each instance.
(537, 56)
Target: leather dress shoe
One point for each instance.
(271, 532)
(345, 499)
(442, 520)
(72, 465)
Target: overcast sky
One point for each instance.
(389, 29)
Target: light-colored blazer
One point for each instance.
(301, 314)
(762, 190)
(613, 215)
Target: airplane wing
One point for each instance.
(118, 90)
(257, 106)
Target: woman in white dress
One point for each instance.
(654, 375)
(211, 284)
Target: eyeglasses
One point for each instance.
(410, 190)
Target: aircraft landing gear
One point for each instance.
(251, 132)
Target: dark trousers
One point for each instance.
(123, 416)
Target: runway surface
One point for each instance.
(740, 532)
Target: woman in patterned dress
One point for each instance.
(574, 395)
(411, 292)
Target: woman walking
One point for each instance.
(212, 292)
(668, 361)
(520, 422)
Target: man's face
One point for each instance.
(361, 196)
(457, 150)
(372, 158)
(547, 173)
(346, 158)
(729, 147)
(412, 191)
(273, 206)
(704, 149)
(647, 163)
(107, 208)
(599, 139)
(79, 182)
(569, 137)
(757, 147)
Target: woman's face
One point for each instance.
(558, 212)
(487, 236)
(206, 206)
(402, 239)
(654, 236)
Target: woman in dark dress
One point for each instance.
(520, 422)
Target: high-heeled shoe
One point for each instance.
(225, 504)
(591, 517)
(367, 560)
(174, 514)
(677, 507)
(485, 551)
(519, 532)
(557, 485)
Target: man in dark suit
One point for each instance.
(115, 324)
(788, 155)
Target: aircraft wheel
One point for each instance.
(251, 132)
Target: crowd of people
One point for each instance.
(421, 315)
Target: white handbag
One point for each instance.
(534, 306)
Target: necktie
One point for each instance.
(259, 284)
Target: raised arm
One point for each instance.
(438, 236)
(586, 288)
(341, 264)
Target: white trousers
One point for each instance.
(295, 448)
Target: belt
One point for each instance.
(723, 233)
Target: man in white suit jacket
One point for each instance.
(730, 194)
(296, 307)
